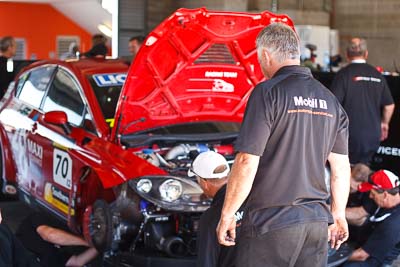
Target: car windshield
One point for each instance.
(107, 88)
(190, 132)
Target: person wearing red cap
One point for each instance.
(383, 188)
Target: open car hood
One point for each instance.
(197, 65)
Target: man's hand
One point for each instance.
(384, 131)
(338, 232)
(226, 231)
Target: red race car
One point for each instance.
(112, 163)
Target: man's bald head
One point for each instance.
(357, 48)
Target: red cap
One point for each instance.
(380, 180)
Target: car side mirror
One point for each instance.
(58, 118)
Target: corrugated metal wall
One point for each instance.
(132, 22)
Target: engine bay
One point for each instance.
(157, 213)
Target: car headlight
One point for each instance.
(170, 190)
(171, 193)
(144, 185)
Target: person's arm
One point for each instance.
(82, 259)
(358, 255)
(239, 185)
(387, 113)
(338, 232)
(60, 237)
(356, 215)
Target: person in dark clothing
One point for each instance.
(8, 48)
(357, 203)
(99, 48)
(12, 252)
(359, 174)
(292, 126)
(52, 242)
(211, 170)
(134, 44)
(365, 95)
(381, 245)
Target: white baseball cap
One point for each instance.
(205, 166)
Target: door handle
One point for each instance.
(34, 127)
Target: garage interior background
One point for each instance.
(44, 28)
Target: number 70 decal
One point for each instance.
(62, 168)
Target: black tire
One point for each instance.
(100, 226)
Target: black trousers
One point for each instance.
(301, 245)
(12, 252)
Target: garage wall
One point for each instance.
(132, 22)
(302, 12)
(159, 10)
(376, 20)
(39, 25)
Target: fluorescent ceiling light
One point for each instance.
(105, 30)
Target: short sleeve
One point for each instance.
(256, 126)
(341, 145)
(387, 98)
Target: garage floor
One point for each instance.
(13, 212)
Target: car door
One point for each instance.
(20, 116)
(61, 168)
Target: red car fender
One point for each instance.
(115, 165)
(86, 224)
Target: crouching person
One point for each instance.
(383, 188)
(211, 170)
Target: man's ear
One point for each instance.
(203, 184)
(366, 54)
(266, 56)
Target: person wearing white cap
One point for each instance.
(380, 247)
(211, 170)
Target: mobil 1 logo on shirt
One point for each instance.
(300, 101)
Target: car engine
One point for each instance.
(156, 213)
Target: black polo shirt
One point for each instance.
(210, 252)
(385, 234)
(293, 122)
(5, 76)
(362, 91)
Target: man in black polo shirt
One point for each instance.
(365, 95)
(8, 48)
(292, 126)
(211, 170)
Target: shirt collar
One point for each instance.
(358, 61)
(220, 195)
(293, 69)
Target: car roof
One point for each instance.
(87, 65)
